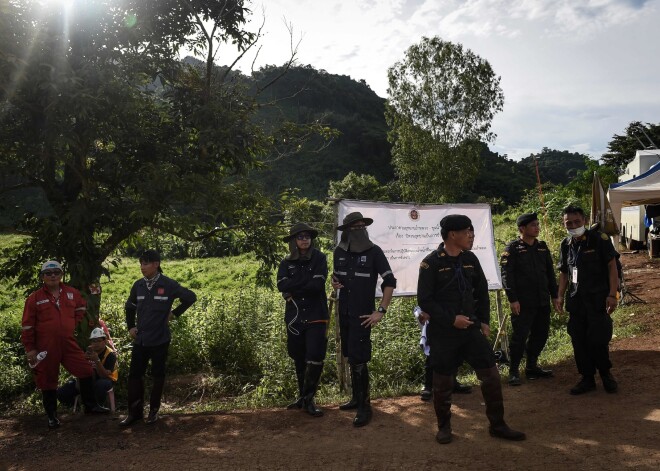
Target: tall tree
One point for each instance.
(97, 112)
(622, 148)
(442, 100)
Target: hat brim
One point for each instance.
(367, 222)
(313, 232)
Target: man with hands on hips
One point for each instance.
(148, 314)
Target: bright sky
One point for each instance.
(574, 72)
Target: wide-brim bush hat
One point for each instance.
(352, 218)
(298, 228)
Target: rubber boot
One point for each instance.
(135, 402)
(49, 399)
(461, 388)
(427, 390)
(300, 377)
(514, 371)
(491, 388)
(443, 386)
(154, 400)
(361, 384)
(353, 403)
(89, 398)
(310, 385)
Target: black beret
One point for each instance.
(150, 256)
(525, 219)
(455, 222)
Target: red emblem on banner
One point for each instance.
(161, 291)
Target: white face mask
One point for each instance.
(577, 232)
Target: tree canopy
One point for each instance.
(119, 135)
(622, 148)
(442, 101)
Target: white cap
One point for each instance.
(51, 264)
(97, 334)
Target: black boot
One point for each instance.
(427, 390)
(491, 388)
(461, 388)
(442, 389)
(310, 385)
(89, 398)
(300, 377)
(49, 399)
(514, 372)
(609, 383)
(534, 371)
(353, 403)
(361, 384)
(154, 400)
(135, 402)
(585, 385)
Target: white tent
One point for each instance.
(643, 189)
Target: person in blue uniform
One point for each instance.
(589, 278)
(357, 264)
(301, 279)
(148, 315)
(453, 290)
(528, 277)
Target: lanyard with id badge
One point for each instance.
(573, 260)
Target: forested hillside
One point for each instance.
(307, 95)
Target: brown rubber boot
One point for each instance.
(442, 388)
(154, 400)
(491, 388)
(135, 402)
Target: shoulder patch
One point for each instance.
(423, 265)
(505, 254)
(604, 236)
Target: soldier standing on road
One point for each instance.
(301, 280)
(588, 273)
(151, 300)
(453, 290)
(529, 280)
(357, 264)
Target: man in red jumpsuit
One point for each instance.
(49, 320)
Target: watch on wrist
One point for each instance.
(381, 309)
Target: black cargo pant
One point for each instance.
(530, 333)
(355, 339)
(590, 328)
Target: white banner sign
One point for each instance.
(407, 233)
